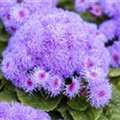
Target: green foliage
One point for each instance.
(37, 101)
(114, 72)
(79, 104)
(112, 111)
(8, 93)
(89, 114)
(54, 115)
(103, 117)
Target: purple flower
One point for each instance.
(94, 75)
(99, 93)
(47, 50)
(83, 5)
(110, 7)
(40, 77)
(19, 13)
(73, 89)
(108, 28)
(115, 54)
(55, 86)
(9, 111)
(96, 10)
(5, 5)
(117, 21)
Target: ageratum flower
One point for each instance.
(110, 7)
(96, 10)
(55, 86)
(17, 111)
(5, 5)
(115, 54)
(83, 5)
(108, 28)
(99, 94)
(117, 23)
(19, 13)
(73, 89)
(47, 50)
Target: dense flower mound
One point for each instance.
(115, 54)
(48, 50)
(17, 111)
(18, 13)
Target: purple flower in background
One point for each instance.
(18, 13)
(83, 5)
(115, 54)
(99, 93)
(108, 28)
(96, 10)
(9, 111)
(110, 7)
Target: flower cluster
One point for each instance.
(5, 5)
(115, 54)
(16, 14)
(17, 111)
(47, 51)
(108, 28)
(98, 7)
(88, 5)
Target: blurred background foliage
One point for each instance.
(61, 107)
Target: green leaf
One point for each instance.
(55, 115)
(4, 37)
(78, 104)
(66, 115)
(77, 115)
(63, 109)
(89, 114)
(103, 117)
(114, 72)
(2, 47)
(1, 25)
(37, 101)
(8, 94)
(112, 111)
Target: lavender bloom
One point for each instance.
(96, 10)
(94, 75)
(57, 48)
(115, 54)
(5, 5)
(108, 28)
(41, 77)
(19, 13)
(99, 93)
(83, 5)
(37, 4)
(110, 7)
(117, 23)
(55, 86)
(73, 89)
(9, 111)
